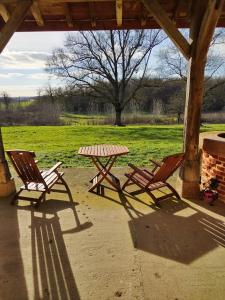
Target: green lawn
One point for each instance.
(53, 143)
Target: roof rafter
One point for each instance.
(59, 1)
(92, 14)
(14, 22)
(119, 12)
(208, 26)
(69, 19)
(4, 12)
(168, 26)
(35, 10)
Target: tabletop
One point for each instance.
(103, 150)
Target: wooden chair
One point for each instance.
(149, 181)
(35, 180)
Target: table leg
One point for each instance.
(104, 171)
(103, 167)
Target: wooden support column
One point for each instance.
(7, 185)
(204, 19)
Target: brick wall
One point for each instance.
(214, 166)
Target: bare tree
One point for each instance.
(5, 100)
(173, 65)
(106, 63)
(176, 104)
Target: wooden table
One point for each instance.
(100, 151)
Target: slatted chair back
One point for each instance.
(169, 166)
(25, 165)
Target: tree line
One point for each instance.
(108, 72)
(157, 96)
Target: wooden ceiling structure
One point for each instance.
(201, 16)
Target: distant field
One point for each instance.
(53, 143)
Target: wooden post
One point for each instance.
(7, 185)
(205, 16)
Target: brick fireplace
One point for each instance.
(213, 161)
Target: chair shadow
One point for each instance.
(123, 201)
(53, 276)
(177, 231)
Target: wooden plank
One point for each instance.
(35, 10)
(190, 172)
(144, 15)
(14, 22)
(59, 1)
(167, 25)
(92, 14)
(119, 12)
(4, 12)
(208, 26)
(69, 19)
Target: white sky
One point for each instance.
(22, 62)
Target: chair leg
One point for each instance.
(42, 198)
(173, 191)
(126, 183)
(15, 198)
(156, 201)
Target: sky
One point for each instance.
(22, 62)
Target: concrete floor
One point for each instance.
(112, 246)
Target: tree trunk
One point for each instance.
(118, 120)
(178, 118)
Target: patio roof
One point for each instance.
(58, 15)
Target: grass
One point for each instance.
(76, 119)
(54, 143)
(108, 119)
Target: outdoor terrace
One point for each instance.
(111, 246)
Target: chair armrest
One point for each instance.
(157, 163)
(139, 171)
(54, 168)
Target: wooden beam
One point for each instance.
(208, 26)
(119, 12)
(144, 15)
(4, 12)
(92, 14)
(35, 10)
(176, 9)
(69, 19)
(61, 1)
(14, 22)
(167, 25)
(204, 15)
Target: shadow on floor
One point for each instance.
(177, 231)
(53, 276)
(11, 264)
